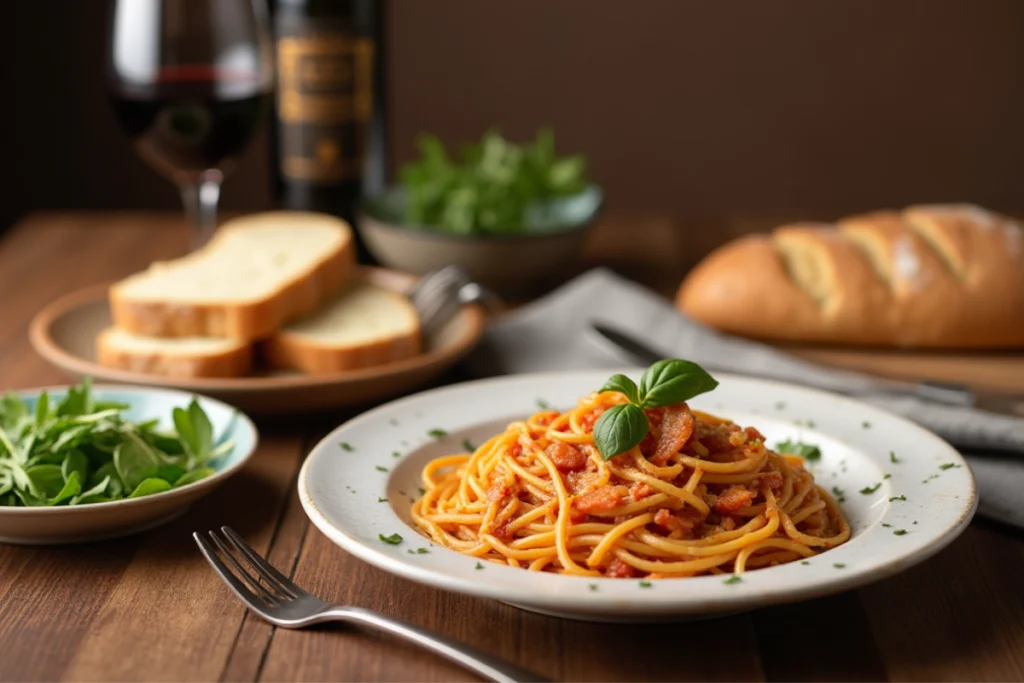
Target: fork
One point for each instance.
(283, 603)
(440, 293)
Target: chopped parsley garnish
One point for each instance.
(886, 525)
(437, 433)
(394, 422)
(393, 539)
(804, 562)
(646, 584)
(900, 532)
(865, 425)
(892, 458)
(948, 466)
(422, 551)
(422, 491)
(543, 405)
(887, 476)
(839, 565)
(396, 454)
(868, 490)
(466, 444)
(899, 498)
(381, 468)
(839, 494)
(592, 587)
(345, 446)
(925, 481)
(382, 500)
(478, 566)
(780, 406)
(735, 578)
(807, 451)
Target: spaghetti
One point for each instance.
(699, 495)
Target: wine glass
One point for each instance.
(189, 81)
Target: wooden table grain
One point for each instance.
(149, 608)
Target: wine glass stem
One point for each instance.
(200, 199)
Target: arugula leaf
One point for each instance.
(672, 381)
(624, 385)
(619, 429)
(148, 487)
(193, 476)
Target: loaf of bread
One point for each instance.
(365, 325)
(257, 273)
(174, 357)
(939, 276)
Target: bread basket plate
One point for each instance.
(97, 521)
(358, 493)
(64, 333)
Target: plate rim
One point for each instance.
(184, 491)
(42, 340)
(669, 605)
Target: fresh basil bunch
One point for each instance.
(79, 450)
(665, 383)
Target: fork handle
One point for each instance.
(485, 665)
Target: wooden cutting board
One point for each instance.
(1000, 371)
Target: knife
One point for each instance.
(948, 393)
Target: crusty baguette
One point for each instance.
(365, 325)
(944, 276)
(178, 357)
(256, 273)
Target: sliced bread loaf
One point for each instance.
(174, 357)
(365, 326)
(255, 274)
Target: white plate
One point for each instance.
(80, 523)
(340, 486)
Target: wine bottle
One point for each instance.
(329, 133)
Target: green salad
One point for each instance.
(79, 450)
(491, 187)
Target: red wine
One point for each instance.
(191, 118)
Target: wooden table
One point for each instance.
(149, 608)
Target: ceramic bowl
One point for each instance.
(508, 264)
(80, 523)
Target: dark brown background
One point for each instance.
(696, 108)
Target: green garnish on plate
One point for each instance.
(807, 451)
(79, 450)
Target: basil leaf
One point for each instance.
(624, 385)
(148, 487)
(619, 429)
(672, 381)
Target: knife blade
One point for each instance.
(947, 393)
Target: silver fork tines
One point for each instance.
(281, 601)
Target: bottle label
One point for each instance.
(324, 103)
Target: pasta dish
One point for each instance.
(697, 495)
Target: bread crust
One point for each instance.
(948, 276)
(232, 362)
(244, 321)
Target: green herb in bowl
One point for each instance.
(79, 450)
(495, 187)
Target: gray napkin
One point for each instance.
(552, 334)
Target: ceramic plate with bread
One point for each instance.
(273, 304)
(929, 277)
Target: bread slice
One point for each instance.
(174, 357)
(365, 326)
(256, 273)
